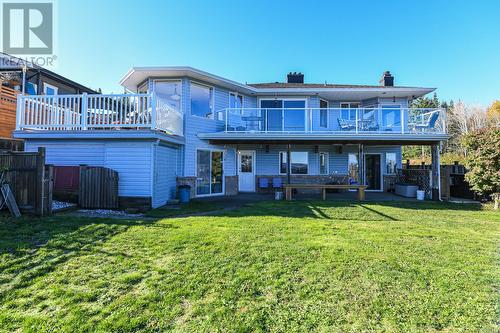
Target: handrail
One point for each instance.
(377, 119)
(96, 111)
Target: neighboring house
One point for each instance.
(17, 76)
(180, 125)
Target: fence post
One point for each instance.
(49, 173)
(40, 175)
(84, 111)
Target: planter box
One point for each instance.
(406, 190)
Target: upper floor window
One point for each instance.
(323, 113)
(202, 100)
(391, 116)
(235, 101)
(168, 94)
(349, 110)
(49, 89)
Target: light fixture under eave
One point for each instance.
(175, 96)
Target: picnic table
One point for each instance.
(288, 189)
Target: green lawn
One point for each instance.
(275, 266)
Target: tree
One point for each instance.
(493, 113)
(483, 161)
(462, 120)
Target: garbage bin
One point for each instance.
(184, 193)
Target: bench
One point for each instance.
(288, 189)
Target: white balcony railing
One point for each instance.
(382, 120)
(97, 112)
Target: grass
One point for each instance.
(271, 267)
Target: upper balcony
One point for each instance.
(377, 123)
(97, 112)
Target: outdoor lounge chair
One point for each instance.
(277, 183)
(264, 183)
(431, 122)
(346, 125)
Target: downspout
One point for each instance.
(23, 90)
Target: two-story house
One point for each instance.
(180, 125)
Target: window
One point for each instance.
(209, 172)
(349, 112)
(391, 116)
(168, 95)
(235, 101)
(323, 163)
(299, 162)
(49, 89)
(31, 88)
(323, 113)
(201, 100)
(284, 115)
(390, 163)
(353, 168)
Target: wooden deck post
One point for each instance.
(288, 164)
(361, 164)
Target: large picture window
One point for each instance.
(201, 100)
(168, 94)
(391, 116)
(209, 173)
(284, 115)
(299, 162)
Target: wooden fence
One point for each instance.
(8, 102)
(98, 188)
(31, 181)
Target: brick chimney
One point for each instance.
(295, 77)
(387, 79)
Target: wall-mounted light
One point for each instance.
(394, 99)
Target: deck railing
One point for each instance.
(97, 112)
(382, 120)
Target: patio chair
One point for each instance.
(346, 125)
(431, 122)
(277, 183)
(263, 183)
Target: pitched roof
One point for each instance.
(316, 85)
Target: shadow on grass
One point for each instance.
(33, 247)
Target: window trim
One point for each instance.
(321, 109)
(291, 173)
(327, 157)
(48, 85)
(212, 102)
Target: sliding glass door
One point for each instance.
(284, 115)
(209, 172)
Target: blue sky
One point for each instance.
(451, 45)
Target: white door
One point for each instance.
(246, 171)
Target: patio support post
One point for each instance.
(288, 163)
(436, 181)
(361, 164)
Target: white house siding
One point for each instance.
(267, 163)
(131, 159)
(165, 173)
